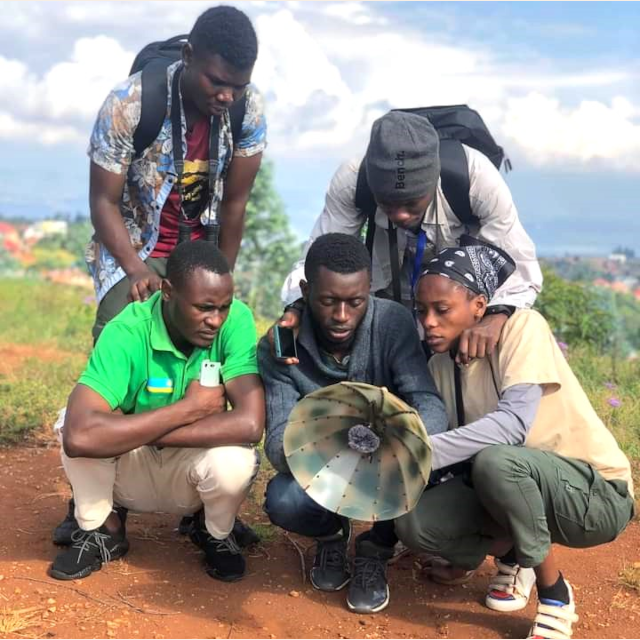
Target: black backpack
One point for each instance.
(455, 124)
(153, 61)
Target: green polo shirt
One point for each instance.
(135, 366)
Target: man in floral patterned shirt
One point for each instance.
(135, 206)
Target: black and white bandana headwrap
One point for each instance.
(478, 265)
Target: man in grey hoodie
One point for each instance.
(345, 334)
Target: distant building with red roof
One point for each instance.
(10, 238)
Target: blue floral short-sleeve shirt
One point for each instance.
(151, 176)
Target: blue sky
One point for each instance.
(558, 84)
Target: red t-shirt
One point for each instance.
(195, 192)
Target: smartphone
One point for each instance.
(210, 373)
(285, 342)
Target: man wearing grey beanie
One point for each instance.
(403, 161)
(402, 165)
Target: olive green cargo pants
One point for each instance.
(528, 496)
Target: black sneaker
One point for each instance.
(245, 536)
(62, 534)
(223, 558)
(87, 553)
(330, 571)
(369, 591)
(185, 525)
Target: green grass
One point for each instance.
(36, 312)
(267, 532)
(50, 317)
(609, 383)
(262, 326)
(30, 402)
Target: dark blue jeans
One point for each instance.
(291, 509)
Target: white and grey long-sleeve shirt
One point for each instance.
(491, 203)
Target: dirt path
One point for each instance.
(161, 591)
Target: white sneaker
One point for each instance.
(59, 423)
(511, 588)
(554, 621)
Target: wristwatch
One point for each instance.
(507, 309)
(297, 305)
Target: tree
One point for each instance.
(269, 248)
(79, 232)
(577, 314)
(46, 258)
(8, 262)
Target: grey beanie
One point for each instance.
(402, 160)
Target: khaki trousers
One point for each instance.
(171, 480)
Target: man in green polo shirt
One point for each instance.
(142, 432)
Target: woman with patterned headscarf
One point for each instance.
(526, 461)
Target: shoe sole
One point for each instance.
(224, 578)
(377, 609)
(346, 582)
(338, 588)
(505, 606)
(87, 571)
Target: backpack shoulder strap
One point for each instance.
(366, 203)
(153, 107)
(454, 175)
(236, 115)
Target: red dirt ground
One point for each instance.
(161, 591)
(12, 356)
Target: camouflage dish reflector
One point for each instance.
(318, 444)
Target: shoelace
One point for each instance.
(84, 540)
(228, 545)
(332, 555)
(367, 571)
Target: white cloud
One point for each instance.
(356, 13)
(37, 131)
(327, 71)
(310, 103)
(325, 87)
(67, 97)
(96, 65)
(548, 132)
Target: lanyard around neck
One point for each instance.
(178, 156)
(417, 262)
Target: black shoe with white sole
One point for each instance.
(369, 590)
(330, 571)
